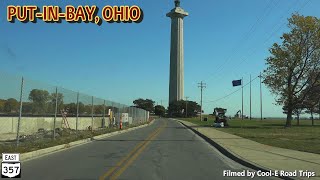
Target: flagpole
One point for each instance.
(242, 98)
(260, 97)
(250, 98)
(242, 102)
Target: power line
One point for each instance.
(269, 37)
(232, 92)
(244, 38)
(244, 59)
(274, 32)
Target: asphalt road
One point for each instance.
(163, 150)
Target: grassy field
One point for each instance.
(272, 132)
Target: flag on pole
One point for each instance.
(236, 82)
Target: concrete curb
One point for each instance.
(58, 148)
(230, 154)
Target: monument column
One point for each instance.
(176, 84)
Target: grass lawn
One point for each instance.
(272, 132)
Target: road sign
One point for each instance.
(10, 166)
(125, 117)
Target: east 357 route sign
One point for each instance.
(10, 166)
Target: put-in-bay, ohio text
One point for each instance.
(77, 14)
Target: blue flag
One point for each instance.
(236, 82)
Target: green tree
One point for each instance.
(87, 109)
(52, 104)
(27, 107)
(312, 97)
(292, 63)
(160, 110)
(2, 102)
(72, 108)
(98, 109)
(11, 105)
(193, 109)
(39, 100)
(146, 104)
(297, 111)
(178, 109)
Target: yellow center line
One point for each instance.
(134, 157)
(110, 171)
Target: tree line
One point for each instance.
(180, 108)
(41, 102)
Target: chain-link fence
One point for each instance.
(35, 115)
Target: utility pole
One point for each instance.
(55, 114)
(187, 106)
(104, 113)
(260, 96)
(250, 97)
(201, 85)
(319, 110)
(92, 110)
(20, 112)
(77, 117)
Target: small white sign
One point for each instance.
(10, 157)
(125, 117)
(10, 166)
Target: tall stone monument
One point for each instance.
(176, 84)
